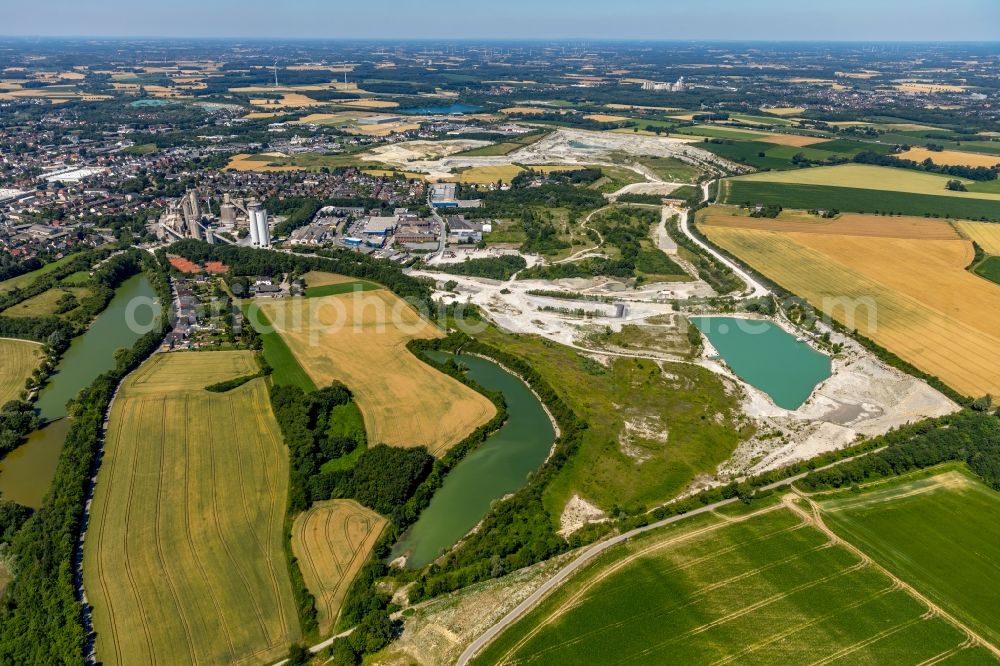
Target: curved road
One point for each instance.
(596, 549)
(756, 288)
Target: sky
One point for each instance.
(779, 20)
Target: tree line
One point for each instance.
(979, 173)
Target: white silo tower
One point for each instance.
(263, 231)
(252, 208)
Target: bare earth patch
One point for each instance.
(577, 513)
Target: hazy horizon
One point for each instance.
(522, 20)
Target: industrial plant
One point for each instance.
(191, 217)
(678, 86)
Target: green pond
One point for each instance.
(27, 471)
(499, 466)
(766, 356)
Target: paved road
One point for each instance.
(596, 549)
(756, 288)
(443, 237)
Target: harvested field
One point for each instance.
(183, 559)
(322, 279)
(605, 118)
(20, 358)
(913, 297)
(287, 101)
(785, 110)
(846, 224)
(929, 88)
(332, 541)
(370, 104)
(865, 176)
(244, 162)
(764, 587)
(360, 339)
(525, 110)
(987, 234)
(951, 157)
(485, 175)
(754, 135)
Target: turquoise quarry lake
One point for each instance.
(766, 356)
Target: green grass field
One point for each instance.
(76, 279)
(184, 560)
(764, 587)
(20, 358)
(989, 268)
(670, 169)
(22, 281)
(720, 133)
(856, 200)
(45, 303)
(938, 531)
(286, 370)
(651, 431)
(852, 147)
(340, 288)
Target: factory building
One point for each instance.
(667, 87)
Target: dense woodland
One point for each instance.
(971, 436)
(496, 268)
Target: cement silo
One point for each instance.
(252, 208)
(263, 231)
(227, 211)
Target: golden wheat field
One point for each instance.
(869, 177)
(845, 224)
(19, 359)
(331, 541)
(323, 279)
(913, 297)
(950, 157)
(245, 162)
(183, 558)
(987, 234)
(360, 339)
(785, 110)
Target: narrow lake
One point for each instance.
(499, 466)
(766, 356)
(27, 471)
